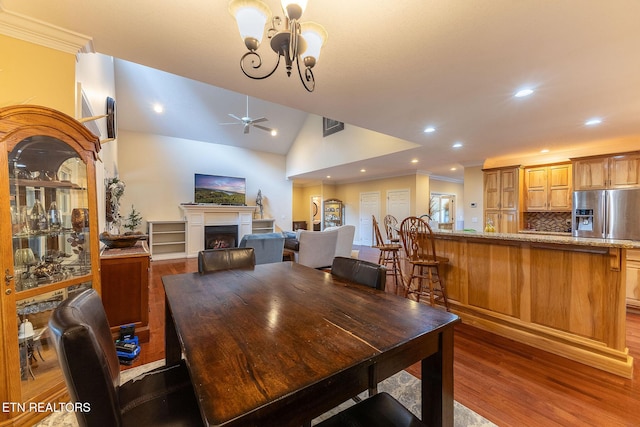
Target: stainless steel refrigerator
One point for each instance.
(607, 214)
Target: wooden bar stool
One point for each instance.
(420, 248)
(391, 226)
(389, 255)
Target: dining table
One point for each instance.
(280, 344)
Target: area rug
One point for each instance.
(403, 386)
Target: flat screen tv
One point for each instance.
(220, 190)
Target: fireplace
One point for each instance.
(220, 236)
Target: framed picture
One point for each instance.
(330, 126)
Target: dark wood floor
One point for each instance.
(508, 383)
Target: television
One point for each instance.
(220, 190)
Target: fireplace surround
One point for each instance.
(199, 216)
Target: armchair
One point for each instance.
(268, 247)
(316, 249)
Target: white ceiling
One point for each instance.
(392, 67)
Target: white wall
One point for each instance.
(159, 175)
(95, 74)
(473, 194)
(310, 151)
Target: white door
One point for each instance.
(369, 205)
(399, 204)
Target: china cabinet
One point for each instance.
(49, 245)
(333, 213)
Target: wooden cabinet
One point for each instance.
(502, 200)
(548, 188)
(125, 288)
(333, 213)
(49, 245)
(167, 239)
(612, 171)
(633, 278)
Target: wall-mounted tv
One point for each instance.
(220, 190)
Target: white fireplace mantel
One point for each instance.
(201, 215)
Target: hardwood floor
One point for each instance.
(509, 383)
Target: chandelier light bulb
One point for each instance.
(294, 9)
(251, 16)
(315, 35)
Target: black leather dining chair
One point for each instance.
(210, 260)
(87, 356)
(360, 271)
(381, 410)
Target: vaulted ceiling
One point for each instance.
(393, 67)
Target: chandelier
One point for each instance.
(294, 41)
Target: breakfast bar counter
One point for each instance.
(563, 294)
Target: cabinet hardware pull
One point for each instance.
(7, 277)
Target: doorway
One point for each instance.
(369, 205)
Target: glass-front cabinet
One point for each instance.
(333, 213)
(49, 242)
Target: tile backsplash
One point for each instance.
(547, 221)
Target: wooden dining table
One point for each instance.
(280, 344)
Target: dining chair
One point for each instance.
(210, 260)
(389, 255)
(87, 355)
(380, 410)
(360, 271)
(391, 227)
(420, 248)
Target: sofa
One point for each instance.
(268, 247)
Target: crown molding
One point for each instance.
(41, 33)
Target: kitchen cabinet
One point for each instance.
(548, 188)
(502, 201)
(49, 245)
(607, 172)
(333, 213)
(124, 276)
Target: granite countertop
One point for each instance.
(556, 238)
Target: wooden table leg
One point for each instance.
(437, 383)
(172, 351)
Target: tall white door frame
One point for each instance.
(369, 205)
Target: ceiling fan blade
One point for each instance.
(246, 128)
(263, 128)
(230, 123)
(235, 117)
(260, 119)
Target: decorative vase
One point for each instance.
(79, 219)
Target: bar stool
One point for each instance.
(389, 255)
(420, 248)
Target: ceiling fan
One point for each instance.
(247, 122)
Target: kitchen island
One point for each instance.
(563, 294)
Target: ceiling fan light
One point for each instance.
(315, 35)
(294, 8)
(251, 17)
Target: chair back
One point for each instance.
(210, 260)
(316, 248)
(87, 356)
(268, 247)
(390, 225)
(360, 271)
(378, 241)
(417, 239)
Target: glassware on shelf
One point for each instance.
(53, 216)
(38, 217)
(79, 219)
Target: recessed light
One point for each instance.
(544, 150)
(429, 129)
(274, 132)
(158, 108)
(523, 92)
(457, 145)
(594, 121)
(328, 176)
(363, 170)
(414, 161)
(454, 169)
